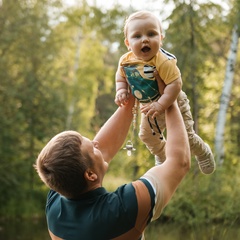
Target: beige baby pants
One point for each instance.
(156, 145)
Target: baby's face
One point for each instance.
(144, 37)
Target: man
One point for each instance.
(73, 167)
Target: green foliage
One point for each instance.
(40, 77)
(25, 94)
(202, 199)
(194, 45)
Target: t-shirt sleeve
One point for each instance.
(145, 203)
(156, 185)
(120, 70)
(166, 64)
(169, 71)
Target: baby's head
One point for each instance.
(143, 34)
(141, 15)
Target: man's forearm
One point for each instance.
(177, 146)
(113, 133)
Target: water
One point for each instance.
(19, 229)
(37, 230)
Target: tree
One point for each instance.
(225, 97)
(26, 96)
(195, 24)
(227, 87)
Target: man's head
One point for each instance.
(67, 164)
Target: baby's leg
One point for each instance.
(151, 137)
(198, 147)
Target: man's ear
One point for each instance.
(90, 175)
(127, 44)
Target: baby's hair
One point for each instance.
(140, 15)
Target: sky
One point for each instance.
(150, 5)
(139, 4)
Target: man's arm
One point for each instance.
(113, 133)
(169, 174)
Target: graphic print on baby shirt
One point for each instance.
(142, 82)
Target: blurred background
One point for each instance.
(57, 66)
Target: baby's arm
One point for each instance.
(122, 95)
(170, 94)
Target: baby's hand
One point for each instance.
(154, 109)
(121, 97)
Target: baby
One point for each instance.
(143, 38)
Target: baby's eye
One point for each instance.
(151, 34)
(137, 36)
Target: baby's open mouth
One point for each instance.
(146, 49)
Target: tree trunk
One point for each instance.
(71, 107)
(225, 97)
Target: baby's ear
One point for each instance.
(161, 39)
(127, 44)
